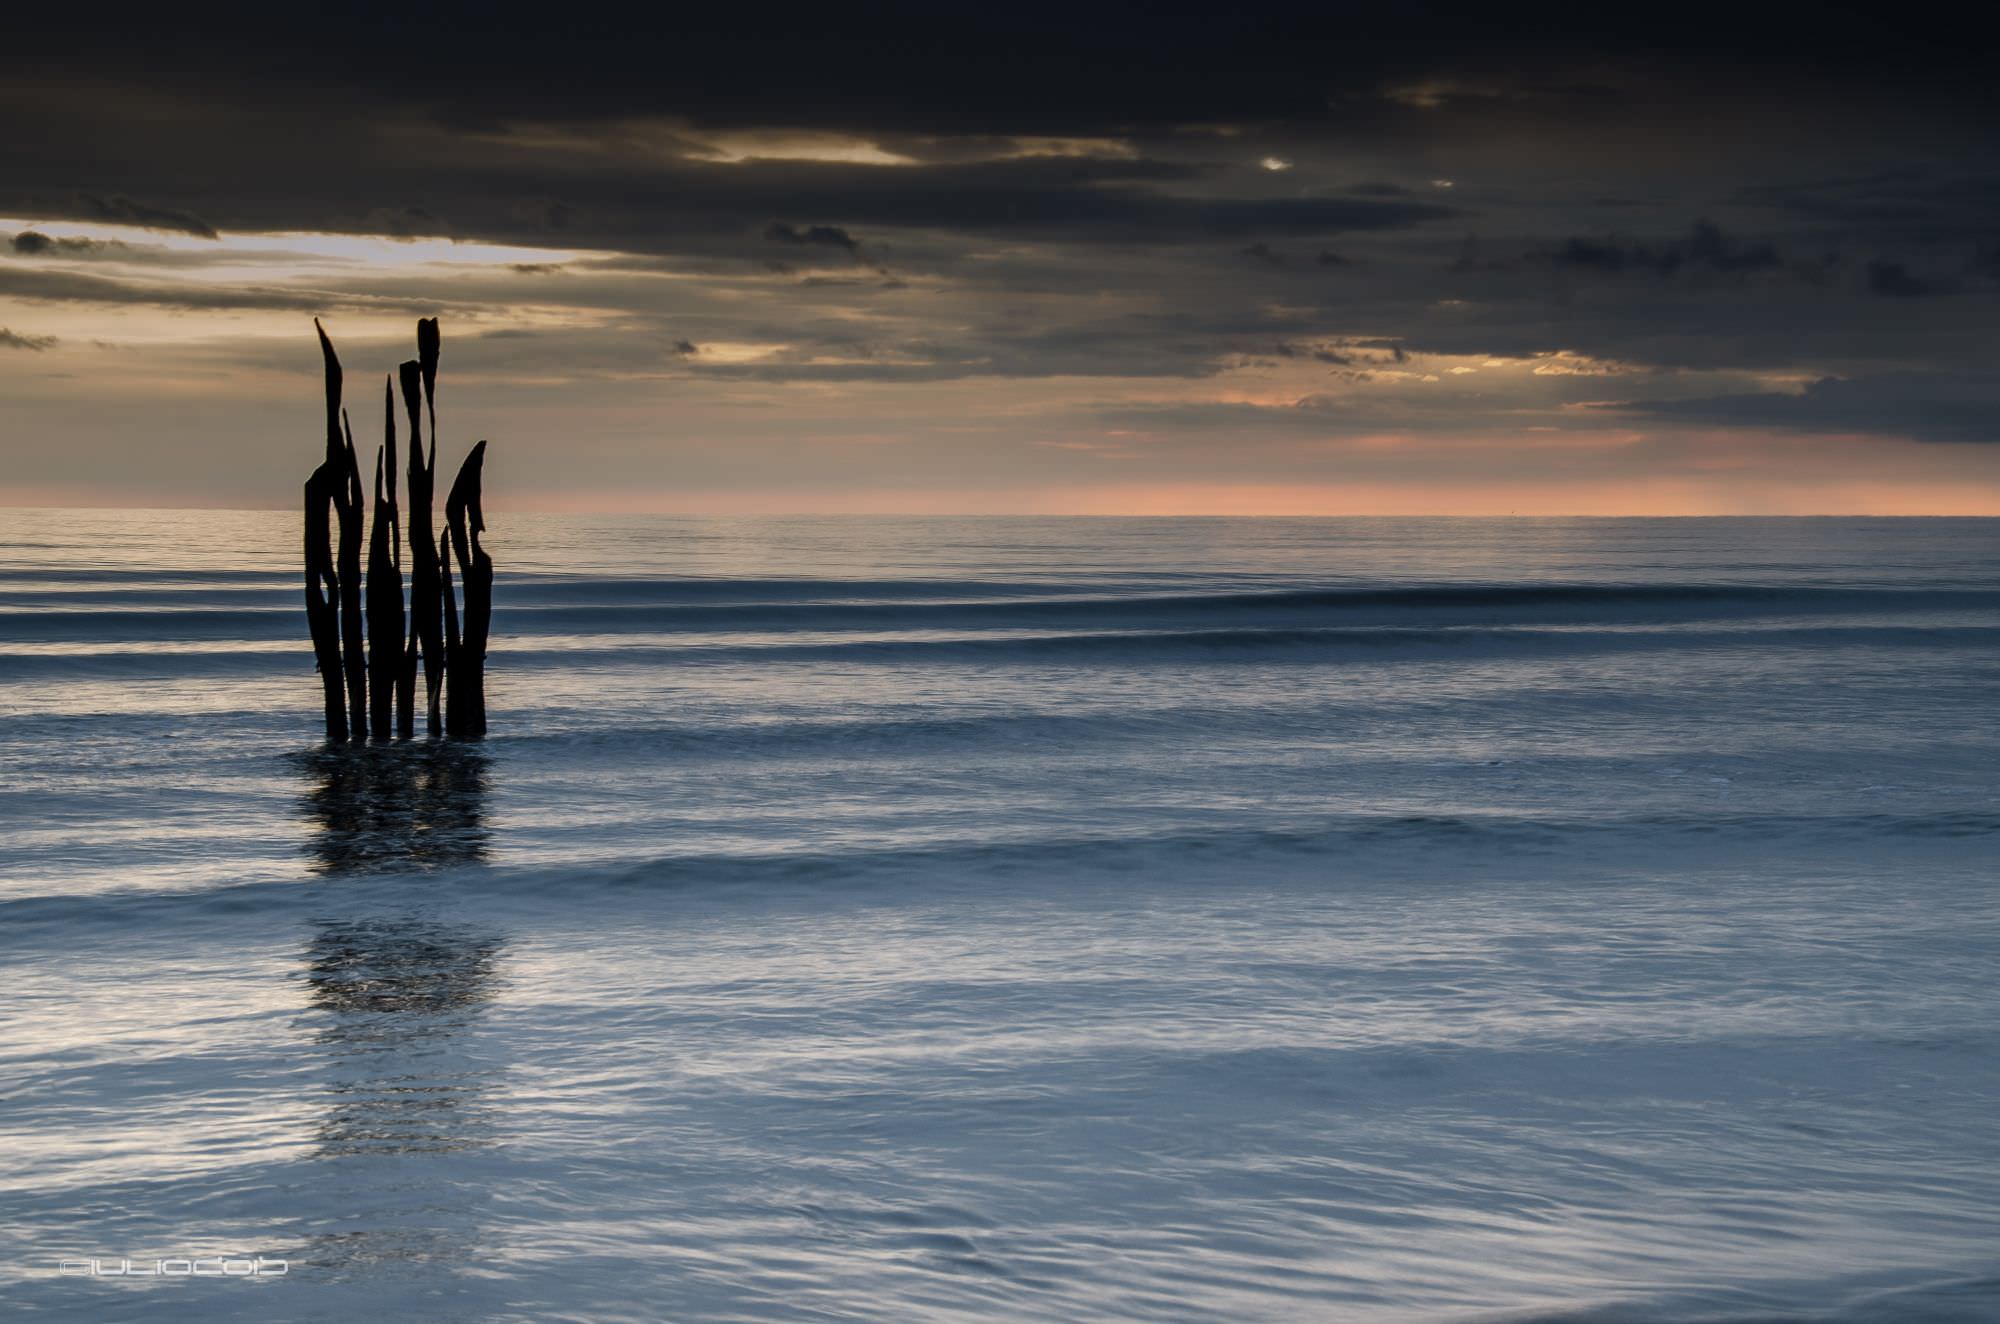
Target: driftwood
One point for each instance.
(385, 582)
(426, 635)
(384, 675)
(465, 707)
(349, 512)
(323, 489)
(446, 599)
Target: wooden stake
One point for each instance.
(385, 582)
(322, 581)
(351, 632)
(466, 709)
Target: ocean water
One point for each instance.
(1016, 920)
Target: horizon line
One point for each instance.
(1063, 515)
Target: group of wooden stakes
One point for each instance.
(372, 691)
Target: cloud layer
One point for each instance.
(969, 263)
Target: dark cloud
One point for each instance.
(1904, 204)
(1892, 280)
(124, 211)
(1393, 348)
(983, 69)
(881, 279)
(75, 287)
(1935, 407)
(1103, 200)
(1704, 249)
(822, 236)
(697, 207)
(16, 340)
(406, 222)
(33, 243)
(1093, 205)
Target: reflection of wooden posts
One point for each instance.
(385, 674)
(465, 710)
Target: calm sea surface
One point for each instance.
(1016, 919)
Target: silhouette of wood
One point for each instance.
(448, 600)
(429, 343)
(429, 346)
(406, 673)
(465, 709)
(383, 673)
(426, 633)
(351, 632)
(322, 581)
(385, 582)
(322, 613)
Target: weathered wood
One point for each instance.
(429, 347)
(451, 642)
(332, 362)
(353, 658)
(322, 615)
(429, 343)
(406, 673)
(426, 635)
(322, 581)
(370, 659)
(465, 708)
(385, 582)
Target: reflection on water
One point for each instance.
(396, 989)
(396, 995)
(400, 991)
(420, 805)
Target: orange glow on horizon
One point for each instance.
(1638, 497)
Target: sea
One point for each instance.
(999, 919)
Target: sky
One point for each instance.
(1078, 260)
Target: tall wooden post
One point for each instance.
(426, 636)
(351, 632)
(385, 582)
(384, 673)
(449, 602)
(322, 580)
(465, 712)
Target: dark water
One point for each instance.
(1056, 919)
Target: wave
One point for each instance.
(1961, 1300)
(1327, 645)
(1457, 605)
(546, 608)
(1402, 849)
(53, 576)
(168, 622)
(1163, 647)
(1088, 596)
